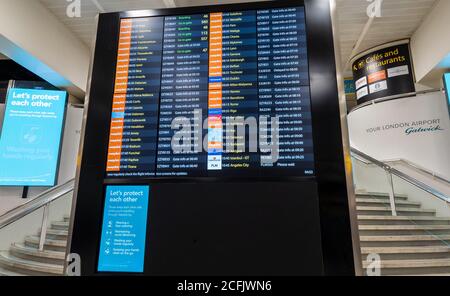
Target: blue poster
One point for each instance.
(31, 137)
(122, 246)
(349, 86)
(447, 86)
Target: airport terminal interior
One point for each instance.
(224, 138)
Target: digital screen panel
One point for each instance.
(122, 245)
(447, 88)
(31, 137)
(215, 94)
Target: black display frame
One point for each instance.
(330, 174)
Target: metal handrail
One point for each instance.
(421, 169)
(403, 176)
(36, 203)
(411, 165)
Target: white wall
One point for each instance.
(370, 132)
(71, 142)
(10, 197)
(34, 37)
(430, 45)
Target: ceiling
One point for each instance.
(400, 18)
(84, 27)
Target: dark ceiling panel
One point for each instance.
(10, 70)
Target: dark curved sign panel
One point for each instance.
(383, 73)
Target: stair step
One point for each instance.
(388, 209)
(405, 250)
(402, 218)
(380, 196)
(6, 272)
(50, 244)
(372, 210)
(57, 233)
(398, 203)
(60, 225)
(29, 267)
(413, 267)
(403, 227)
(24, 252)
(420, 263)
(410, 229)
(404, 238)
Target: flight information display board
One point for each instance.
(214, 94)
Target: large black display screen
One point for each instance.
(180, 75)
(214, 94)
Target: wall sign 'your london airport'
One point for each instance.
(409, 128)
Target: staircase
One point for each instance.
(415, 242)
(25, 258)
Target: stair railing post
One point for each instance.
(44, 227)
(391, 191)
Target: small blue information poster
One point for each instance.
(122, 246)
(31, 137)
(447, 88)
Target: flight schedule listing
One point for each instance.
(215, 94)
(134, 120)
